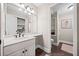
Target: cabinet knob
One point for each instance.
(25, 50)
(22, 51)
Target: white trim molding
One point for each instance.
(47, 50)
(75, 31)
(55, 44)
(39, 46)
(65, 42)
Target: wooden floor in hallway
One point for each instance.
(55, 51)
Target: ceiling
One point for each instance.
(38, 4)
(41, 4)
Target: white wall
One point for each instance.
(34, 20)
(35, 24)
(44, 26)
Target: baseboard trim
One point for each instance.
(55, 44)
(65, 42)
(47, 50)
(39, 46)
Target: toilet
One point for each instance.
(52, 41)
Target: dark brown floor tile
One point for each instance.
(55, 51)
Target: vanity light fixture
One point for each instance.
(22, 5)
(32, 11)
(29, 13)
(70, 7)
(29, 9)
(20, 9)
(26, 9)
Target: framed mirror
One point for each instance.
(16, 20)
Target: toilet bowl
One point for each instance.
(52, 41)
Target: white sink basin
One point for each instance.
(7, 39)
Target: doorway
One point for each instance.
(62, 27)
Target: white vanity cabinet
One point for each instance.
(17, 53)
(24, 48)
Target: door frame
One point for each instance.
(74, 30)
(57, 31)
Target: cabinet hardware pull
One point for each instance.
(25, 50)
(22, 51)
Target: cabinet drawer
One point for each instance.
(15, 47)
(17, 53)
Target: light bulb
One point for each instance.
(22, 5)
(20, 9)
(29, 13)
(28, 8)
(70, 7)
(32, 11)
(25, 11)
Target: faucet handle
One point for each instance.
(15, 36)
(22, 35)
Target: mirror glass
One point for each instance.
(16, 20)
(20, 25)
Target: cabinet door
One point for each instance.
(26, 52)
(30, 51)
(18, 53)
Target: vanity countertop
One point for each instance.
(12, 40)
(32, 34)
(17, 40)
